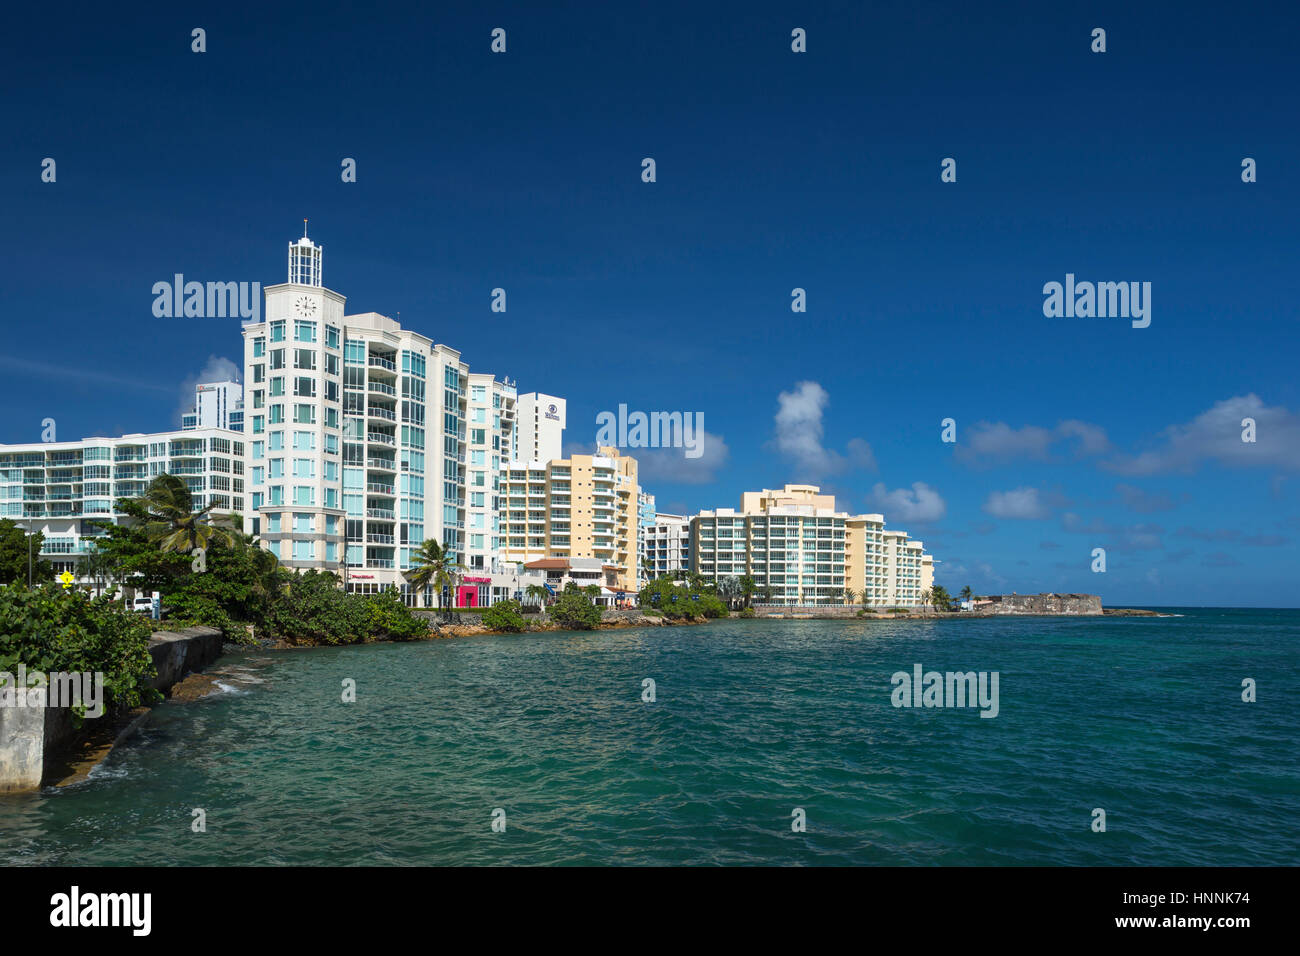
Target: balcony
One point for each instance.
(380, 538)
(386, 364)
(379, 438)
(387, 514)
(375, 411)
(377, 488)
(381, 388)
(382, 464)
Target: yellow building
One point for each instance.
(584, 506)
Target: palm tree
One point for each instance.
(173, 525)
(537, 591)
(966, 593)
(431, 566)
(99, 567)
(850, 595)
(748, 588)
(729, 589)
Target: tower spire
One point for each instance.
(304, 260)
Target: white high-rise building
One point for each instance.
(357, 435)
(62, 489)
(667, 546)
(539, 428)
(490, 421)
(216, 405)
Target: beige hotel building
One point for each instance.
(583, 506)
(795, 545)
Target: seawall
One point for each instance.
(32, 737)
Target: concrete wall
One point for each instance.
(1044, 604)
(177, 653)
(30, 736)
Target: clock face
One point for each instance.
(305, 306)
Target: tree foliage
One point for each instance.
(52, 630)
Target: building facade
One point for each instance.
(359, 439)
(216, 405)
(584, 506)
(666, 551)
(539, 429)
(801, 551)
(491, 425)
(62, 489)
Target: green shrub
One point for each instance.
(747, 612)
(52, 630)
(313, 610)
(575, 611)
(504, 616)
(388, 619)
(710, 605)
(675, 601)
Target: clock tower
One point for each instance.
(293, 362)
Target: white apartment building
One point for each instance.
(666, 546)
(903, 571)
(62, 488)
(801, 551)
(539, 428)
(491, 425)
(357, 435)
(216, 405)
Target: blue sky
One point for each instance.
(775, 170)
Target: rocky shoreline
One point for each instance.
(443, 630)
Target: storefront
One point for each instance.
(474, 592)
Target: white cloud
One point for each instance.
(920, 504)
(670, 465)
(997, 442)
(799, 432)
(1021, 503)
(1215, 435)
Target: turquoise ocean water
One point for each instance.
(752, 719)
